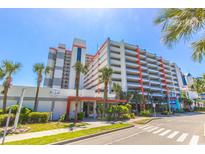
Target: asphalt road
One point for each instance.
(186, 129)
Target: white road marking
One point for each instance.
(152, 129)
(144, 126)
(172, 135)
(165, 132)
(148, 127)
(194, 140)
(118, 140)
(182, 137)
(158, 131)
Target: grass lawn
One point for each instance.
(48, 126)
(144, 120)
(65, 136)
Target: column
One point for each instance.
(94, 110)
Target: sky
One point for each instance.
(27, 34)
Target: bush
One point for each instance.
(13, 108)
(126, 117)
(166, 113)
(3, 119)
(62, 118)
(1, 111)
(199, 108)
(146, 113)
(80, 116)
(132, 115)
(38, 117)
(24, 115)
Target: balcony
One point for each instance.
(133, 85)
(132, 78)
(129, 58)
(130, 52)
(115, 62)
(155, 82)
(152, 60)
(116, 69)
(132, 65)
(115, 49)
(132, 71)
(114, 55)
(155, 71)
(116, 76)
(153, 76)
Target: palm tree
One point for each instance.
(79, 68)
(39, 69)
(117, 89)
(105, 77)
(8, 69)
(2, 74)
(180, 24)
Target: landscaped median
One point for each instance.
(70, 135)
(144, 120)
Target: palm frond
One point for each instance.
(199, 50)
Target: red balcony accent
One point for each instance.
(140, 71)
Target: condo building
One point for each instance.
(134, 69)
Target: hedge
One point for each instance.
(38, 117)
(3, 119)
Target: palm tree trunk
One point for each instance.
(36, 98)
(105, 97)
(77, 94)
(5, 98)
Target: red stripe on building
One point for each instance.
(140, 71)
(164, 81)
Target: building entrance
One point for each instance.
(88, 109)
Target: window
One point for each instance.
(79, 54)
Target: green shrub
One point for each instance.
(166, 112)
(24, 115)
(1, 111)
(62, 118)
(126, 116)
(132, 115)
(3, 119)
(13, 108)
(146, 113)
(199, 108)
(80, 116)
(38, 117)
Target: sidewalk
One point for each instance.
(17, 137)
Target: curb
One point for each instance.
(88, 136)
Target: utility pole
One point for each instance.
(6, 128)
(19, 109)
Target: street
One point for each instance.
(186, 129)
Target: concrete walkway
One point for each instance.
(92, 123)
(17, 137)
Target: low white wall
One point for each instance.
(45, 98)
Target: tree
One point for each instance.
(178, 24)
(39, 69)
(105, 77)
(134, 97)
(8, 68)
(2, 74)
(79, 68)
(117, 89)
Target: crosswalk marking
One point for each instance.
(152, 129)
(165, 132)
(172, 135)
(148, 127)
(194, 140)
(158, 131)
(182, 137)
(144, 126)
